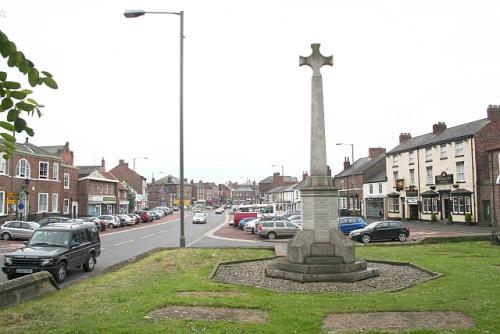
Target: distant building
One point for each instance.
(132, 179)
(274, 181)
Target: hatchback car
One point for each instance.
(279, 228)
(384, 230)
(200, 218)
(50, 220)
(18, 230)
(110, 221)
(348, 224)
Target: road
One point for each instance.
(121, 244)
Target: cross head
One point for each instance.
(316, 60)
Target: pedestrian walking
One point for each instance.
(381, 214)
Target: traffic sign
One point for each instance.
(11, 201)
(11, 194)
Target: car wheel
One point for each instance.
(110, 226)
(6, 236)
(89, 265)
(9, 277)
(271, 235)
(365, 238)
(402, 237)
(62, 271)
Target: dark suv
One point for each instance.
(56, 248)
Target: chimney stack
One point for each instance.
(347, 164)
(438, 127)
(103, 163)
(374, 151)
(493, 112)
(403, 136)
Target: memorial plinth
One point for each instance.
(319, 252)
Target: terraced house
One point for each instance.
(37, 181)
(445, 173)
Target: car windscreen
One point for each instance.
(50, 238)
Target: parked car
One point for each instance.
(48, 220)
(244, 221)
(297, 221)
(127, 219)
(277, 228)
(294, 217)
(135, 217)
(219, 211)
(145, 217)
(383, 230)
(200, 218)
(240, 215)
(18, 229)
(250, 226)
(101, 225)
(348, 224)
(175, 208)
(110, 221)
(288, 214)
(154, 214)
(56, 248)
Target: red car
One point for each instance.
(145, 217)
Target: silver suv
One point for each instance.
(278, 228)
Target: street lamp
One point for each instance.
(137, 13)
(352, 182)
(282, 172)
(137, 158)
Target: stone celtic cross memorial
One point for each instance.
(319, 252)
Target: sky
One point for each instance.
(399, 66)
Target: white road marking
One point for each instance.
(138, 228)
(124, 242)
(164, 231)
(146, 236)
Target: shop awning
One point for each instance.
(461, 191)
(429, 193)
(393, 194)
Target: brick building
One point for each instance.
(97, 191)
(350, 181)
(445, 172)
(137, 182)
(44, 182)
(494, 195)
(165, 192)
(274, 181)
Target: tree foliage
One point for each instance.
(15, 100)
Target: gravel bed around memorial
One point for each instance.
(392, 278)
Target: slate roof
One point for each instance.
(359, 166)
(379, 177)
(94, 172)
(288, 179)
(164, 180)
(30, 149)
(280, 189)
(458, 132)
(54, 150)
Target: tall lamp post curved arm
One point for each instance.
(140, 12)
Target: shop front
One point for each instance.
(94, 207)
(109, 203)
(374, 205)
(412, 203)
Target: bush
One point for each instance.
(434, 218)
(450, 218)
(468, 218)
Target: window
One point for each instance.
(411, 157)
(43, 199)
(461, 205)
(3, 164)
(44, 170)
(2, 202)
(66, 181)
(342, 184)
(395, 175)
(459, 148)
(107, 189)
(66, 206)
(428, 173)
(371, 188)
(429, 204)
(380, 188)
(343, 203)
(55, 202)
(393, 204)
(55, 171)
(443, 153)
(412, 177)
(460, 171)
(428, 154)
(395, 161)
(23, 169)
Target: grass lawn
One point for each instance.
(117, 302)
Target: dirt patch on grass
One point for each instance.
(396, 321)
(211, 294)
(209, 313)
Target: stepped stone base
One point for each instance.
(310, 261)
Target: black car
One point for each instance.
(383, 230)
(56, 248)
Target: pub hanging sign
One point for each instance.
(444, 178)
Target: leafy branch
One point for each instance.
(15, 100)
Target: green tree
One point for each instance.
(131, 199)
(16, 100)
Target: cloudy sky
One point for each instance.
(399, 66)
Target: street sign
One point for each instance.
(11, 201)
(21, 206)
